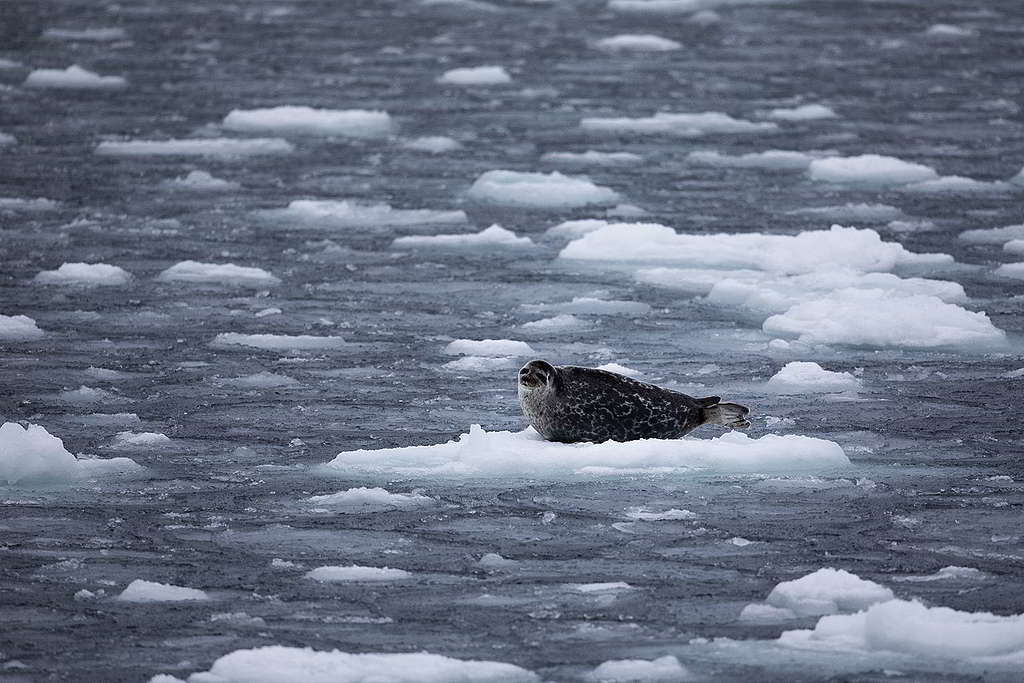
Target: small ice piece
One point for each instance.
(495, 562)
(1011, 270)
(993, 235)
(739, 541)
(674, 514)
(280, 664)
(875, 213)
(73, 78)
(489, 348)
(620, 370)
(800, 377)
(363, 499)
(150, 591)
(84, 394)
(681, 124)
(637, 42)
(356, 573)
(31, 455)
(665, 669)
(1014, 247)
(589, 305)
(237, 619)
(329, 213)
(560, 323)
(17, 328)
(262, 380)
(26, 204)
(827, 591)
(201, 181)
(106, 374)
(948, 574)
(949, 31)
(592, 158)
(494, 236)
(773, 159)
(278, 342)
(1015, 374)
(869, 169)
(278, 563)
(538, 190)
(289, 119)
(127, 440)
(706, 17)
(477, 75)
(217, 148)
(435, 144)
(7, 139)
(625, 211)
(98, 35)
(480, 364)
(218, 274)
(806, 112)
(87, 274)
(955, 184)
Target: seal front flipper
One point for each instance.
(731, 415)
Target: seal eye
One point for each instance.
(524, 371)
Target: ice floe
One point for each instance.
(73, 78)
(200, 181)
(481, 364)
(620, 369)
(278, 342)
(363, 499)
(682, 125)
(870, 169)
(673, 515)
(538, 190)
(947, 574)
(344, 213)
(435, 144)
(679, 6)
(800, 377)
(219, 148)
(97, 35)
(261, 380)
(526, 453)
(638, 42)
(592, 158)
(826, 591)
(853, 212)
(477, 75)
(994, 235)
(128, 440)
(27, 204)
(494, 236)
(954, 184)
(806, 112)
(6, 139)
(87, 274)
(949, 31)
(17, 328)
(218, 273)
(576, 228)
(665, 669)
(773, 159)
(589, 305)
(489, 348)
(290, 119)
(31, 455)
(1014, 271)
(564, 322)
(1014, 247)
(356, 573)
(140, 590)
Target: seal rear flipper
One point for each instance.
(731, 415)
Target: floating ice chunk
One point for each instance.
(574, 229)
(910, 628)
(517, 454)
(588, 305)
(218, 274)
(870, 169)
(99, 35)
(808, 251)
(19, 328)
(7, 139)
(494, 562)
(26, 204)
(31, 455)
(827, 591)
(772, 159)
(948, 574)
(620, 370)
(73, 78)
(279, 664)
(684, 125)
(490, 348)
(799, 377)
(494, 236)
(1014, 374)
(262, 380)
(480, 364)
(354, 123)
(435, 144)
(638, 42)
(538, 190)
(140, 440)
(949, 31)
(806, 112)
(993, 235)
(477, 75)
(592, 157)
(665, 669)
(278, 342)
(84, 394)
(1011, 270)
(864, 317)
(354, 573)
(363, 499)
(89, 274)
(559, 323)
(106, 374)
(201, 181)
(600, 587)
(955, 184)
(1014, 247)
(150, 591)
(910, 226)
(645, 515)
(876, 213)
(345, 213)
(219, 148)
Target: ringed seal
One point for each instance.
(569, 404)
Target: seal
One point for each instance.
(571, 404)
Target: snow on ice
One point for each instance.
(290, 119)
(538, 190)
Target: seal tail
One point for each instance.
(731, 415)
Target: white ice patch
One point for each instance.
(86, 274)
(17, 328)
(217, 148)
(218, 274)
(477, 75)
(435, 144)
(799, 377)
(279, 664)
(538, 190)
(329, 213)
(644, 515)
(682, 124)
(129, 440)
(1014, 247)
(356, 573)
(84, 394)
(620, 370)
(947, 574)
(354, 123)
(494, 236)
(95, 35)
(278, 342)
(564, 322)
(665, 669)
(526, 453)
(806, 112)
(993, 235)
(949, 31)
(151, 591)
(489, 348)
(589, 305)
(1011, 270)
(201, 181)
(480, 364)
(870, 169)
(362, 500)
(955, 184)
(826, 591)
(773, 159)
(31, 455)
(637, 42)
(592, 158)
(262, 380)
(73, 78)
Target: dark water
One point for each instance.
(929, 431)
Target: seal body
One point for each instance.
(572, 404)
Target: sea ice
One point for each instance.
(947, 574)
(799, 377)
(140, 440)
(673, 514)
(16, 328)
(578, 228)
(869, 169)
(99, 35)
(31, 455)
(826, 591)
(288, 119)
(218, 273)
(26, 204)
(489, 348)
(355, 573)
(806, 112)
(201, 181)
(564, 322)
(477, 75)
(363, 499)
(875, 213)
(639, 42)
(679, 6)
(683, 125)
(330, 213)
(773, 159)
(435, 144)
(480, 364)
(955, 184)
(278, 342)
(1011, 270)
(262, 380)
(151, 591)
(665, 669)
(88, 274)
(84, 394)
(947, 31)
(219, 148)
(592, 157)
(7, 139)
(494, 236)
(1014, 247)
(589, 305)
(538, 190)
(993, 235)
(73, 78)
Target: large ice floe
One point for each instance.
(73, 78)
(480, 453)
(32, 456)
(218, 148)
(494, 236)
(679, 124)
(816, 287)
(994, 235)
(280, 664)
(344, 213)
(538, 190)
(353, 123)
(218, 273)
(357, 574)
